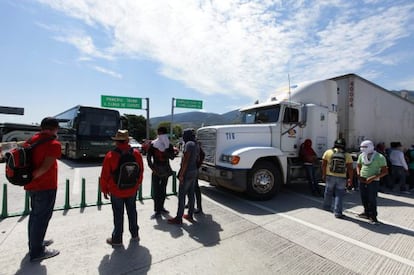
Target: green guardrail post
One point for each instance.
(83, 196)
(140, 192)
(4, 213)
(67, 196)
(26, 203)
(99, 201)
(174, 183)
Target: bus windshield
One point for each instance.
(85, 132)
(98, 123)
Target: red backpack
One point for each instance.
(19, 163)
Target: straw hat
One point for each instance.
(121, 135)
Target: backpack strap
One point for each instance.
(41, 141)
(119, 151)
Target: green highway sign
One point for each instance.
(188, 103)
(121, 102)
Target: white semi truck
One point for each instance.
(261, 154)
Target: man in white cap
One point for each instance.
(371, 166)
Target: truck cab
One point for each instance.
(259, 156)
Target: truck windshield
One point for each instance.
(269, 114)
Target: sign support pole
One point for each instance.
(148, 119)
(172, 116)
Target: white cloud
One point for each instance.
(243, 47)
(106, 71)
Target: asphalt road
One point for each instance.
(289, 234)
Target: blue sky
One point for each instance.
(56, 54)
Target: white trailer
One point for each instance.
(261, 155)
(368, 111)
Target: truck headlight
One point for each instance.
(234, 160)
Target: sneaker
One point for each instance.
(373, 220)
(175, 221)
(198, 211)
(111, 242)
(156, 215)
(47, 242)
(340, 216)
(188, 218)
(363, 215)
(165, 211)
(135, 239)
(48, 253)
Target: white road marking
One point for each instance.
(321, 229)
(76, 181)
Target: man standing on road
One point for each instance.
(187, 177)
(42, 189)
(399, 168)
(121, 176)
(158, 156)
(371, 167)
(336, 166)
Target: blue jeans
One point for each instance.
(42, 204)
(334, 185)
(186, 188)
(310, 174)
(369, 198)
(159, 191)
(118, 212)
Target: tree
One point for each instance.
(137, 126)
(177, 129)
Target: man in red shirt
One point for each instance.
(42, 189)
(121, 197)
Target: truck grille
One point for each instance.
(207, 138)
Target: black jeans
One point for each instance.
(159, 191)
(118, 212)
(369, 194)
(42, 204)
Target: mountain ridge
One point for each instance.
(197, 119)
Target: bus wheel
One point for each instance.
(263, 181)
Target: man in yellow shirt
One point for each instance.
(337, 172)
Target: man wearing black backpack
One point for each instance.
(43, 187)
(158, 156)
(121, 176)
(337, 172)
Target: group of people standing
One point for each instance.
(121, 176)
(159, 155)
(372, 168)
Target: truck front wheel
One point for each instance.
(264, 181)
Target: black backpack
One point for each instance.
(337, 164)
(19, 165)
(126, 174)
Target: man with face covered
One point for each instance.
(187, 177)
(371, 166)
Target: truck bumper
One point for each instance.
(229, 178)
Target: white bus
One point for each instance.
(17, 132)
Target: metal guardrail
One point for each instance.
(4, 212)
